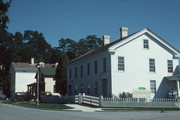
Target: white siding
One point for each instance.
(22, 79)
(88, 81)
(136, 72)
(49, 85)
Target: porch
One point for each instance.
(176, 79)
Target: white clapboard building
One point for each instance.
(142, 64)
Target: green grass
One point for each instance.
(41, 105)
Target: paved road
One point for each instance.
(8, 112)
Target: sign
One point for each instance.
(141, 92)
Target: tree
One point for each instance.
(71, 49)
(89, 43)
(4, 6)
(35, 46)
(61, 79)
(5, 39)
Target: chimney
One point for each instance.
(106, 39)
(124, 32)
(32, 61)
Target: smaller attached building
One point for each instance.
(46, 80)
(175, 78)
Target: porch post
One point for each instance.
(178, 89)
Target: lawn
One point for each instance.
(40, 106)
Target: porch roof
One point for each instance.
(173, 77)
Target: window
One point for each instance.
(153, 86)
(121, 64)
(88, 89)
(96, 88)
(75, 72)
(70, 74)
(76, 89)
(170, 66)
(146, 44)
(81, 71)
(104, 65)
(95, 67)
(88, 69)
(152, 65)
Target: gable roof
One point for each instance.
(97, 50)
(23, 67)
(125, 39)
(48, 71)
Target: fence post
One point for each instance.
(83, 96)
(100, 100)
(138, 100)
(79, 98)
(178, 100)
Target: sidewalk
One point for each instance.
(83, 108)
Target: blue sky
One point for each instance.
(76, 19)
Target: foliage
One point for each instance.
(125, 95)
(5, 42)
(61, 79)
(71, 49)
(4, 6)
(20, 47)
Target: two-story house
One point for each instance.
(137, 62)
(21, 75)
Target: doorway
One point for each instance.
(104, 88)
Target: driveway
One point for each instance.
(9, 112)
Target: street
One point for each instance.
(9, 112)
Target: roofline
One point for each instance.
(106, 47)
(101, 49)
(172, 47)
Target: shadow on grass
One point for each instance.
(40, 106)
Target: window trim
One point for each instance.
(153, 86)
(121, 63)
(70, 74)
(170, 68)
(75, 69)
(152, 66)
(146, 44)
(95, 67)
(88, 69)
(104, 65)
(81, 70)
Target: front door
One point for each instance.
(104, 88)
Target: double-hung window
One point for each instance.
(152, 67)
(121, 63)
(75, 72)
(70, 74)
(81, 70)
(95, 67)
(146, 44)
(170, 66)
(153, 86)
(88, 69)
(104, 65)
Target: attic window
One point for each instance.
(146, 44)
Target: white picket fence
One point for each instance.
(141, 102)
(115, 102)
(86, 99)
